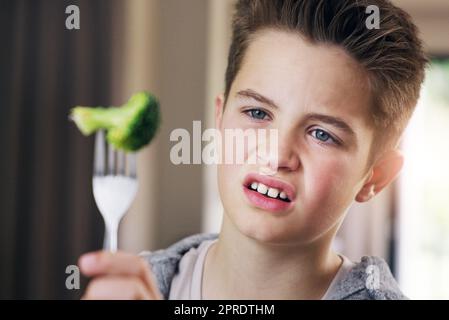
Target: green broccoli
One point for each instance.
(129, 127)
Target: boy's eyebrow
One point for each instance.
(331, 120)
(249, 93)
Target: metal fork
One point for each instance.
(114, 185)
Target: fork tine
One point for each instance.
(111, 160)
(99, 154)
(131, 164)
(121, 163)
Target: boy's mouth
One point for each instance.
(268, 193)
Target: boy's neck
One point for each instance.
(238, 267)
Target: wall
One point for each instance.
(166, 53)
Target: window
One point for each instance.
(423, 228)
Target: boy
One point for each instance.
(340, 95)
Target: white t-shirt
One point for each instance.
(187, 283)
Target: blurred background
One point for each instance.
(176, 49)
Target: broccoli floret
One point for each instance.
(129, 127)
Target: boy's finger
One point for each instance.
(116, 287)
(103, 262)
(120, 263)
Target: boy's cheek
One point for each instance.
(230, 188)
(329, 184)
(231, 175)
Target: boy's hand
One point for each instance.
(118, 276)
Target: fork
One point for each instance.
(115, 186)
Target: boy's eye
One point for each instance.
(323, 136)
(257, 114)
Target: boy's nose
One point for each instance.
(284, 158)
(288, 159)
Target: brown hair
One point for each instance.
(392, 55)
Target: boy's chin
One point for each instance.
(268, 238)
(266, 233)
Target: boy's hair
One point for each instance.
(392, 55)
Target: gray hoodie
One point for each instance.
(369, 279)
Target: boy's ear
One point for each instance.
(384, 171)
(219, 108)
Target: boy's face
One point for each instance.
(322, 159)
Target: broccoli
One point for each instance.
(129, 127)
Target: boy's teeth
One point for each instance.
(273, 193)
(261, 188)
(270, 192)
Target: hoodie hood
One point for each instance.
(370, 279)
